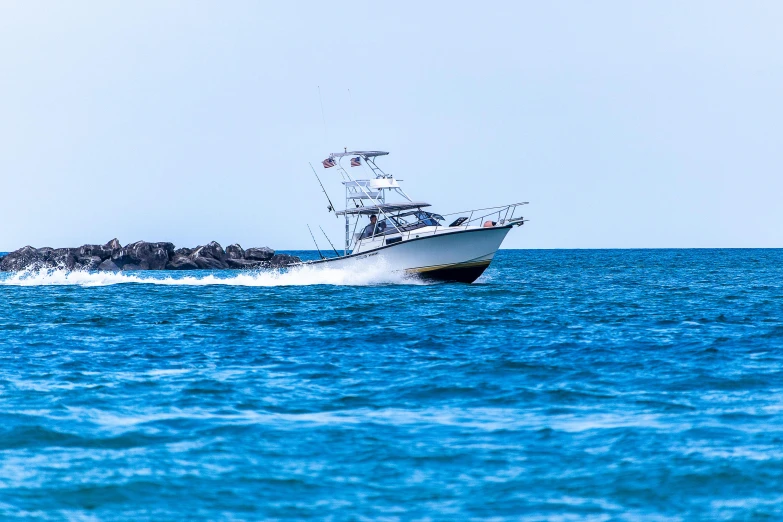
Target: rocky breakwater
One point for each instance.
(142, 255)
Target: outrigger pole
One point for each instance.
(329, 240)
(330, 208)
(316, 243)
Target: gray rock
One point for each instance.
(210, 256)
(180, 262)
(136, 251)
(109, 266)
(211, 250)
(89, 263)
(283, 260)
(121, 257)
(61, 258)
(166, 246)
(234, 252)
(143, 256)
(159, 259)
(245, 263)
(259, 254)
(207, 263)
(26, 257)
(60, 252)
(102, 251)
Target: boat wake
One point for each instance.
(297, 276)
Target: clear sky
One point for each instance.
(625, 124)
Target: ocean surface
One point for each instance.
(563, 385)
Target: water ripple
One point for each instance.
(588, 385)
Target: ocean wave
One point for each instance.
(376, 274)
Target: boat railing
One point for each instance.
(502, 212)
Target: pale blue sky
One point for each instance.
(625, 124)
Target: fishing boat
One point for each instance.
(384, 227)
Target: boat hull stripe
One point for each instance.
(459, 273)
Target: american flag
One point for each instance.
(355, 162)
(329, 162)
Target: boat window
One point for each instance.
(388, 226)
(428, 219)
(384, 227)
(419, 219)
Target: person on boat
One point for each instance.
(371, 229)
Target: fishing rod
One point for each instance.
(330, 208)
(329, 240)
(316, 243)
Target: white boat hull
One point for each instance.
(462, 255)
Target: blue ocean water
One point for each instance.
(615, 384)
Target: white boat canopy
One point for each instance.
(364, 153)
(385, 208)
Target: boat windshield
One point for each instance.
(403, 223)
(418, 219)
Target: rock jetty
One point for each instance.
(142, 255)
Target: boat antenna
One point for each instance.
(316, 244)
(330, 208)
(329, 240)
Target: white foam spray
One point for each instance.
(369, 274)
